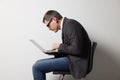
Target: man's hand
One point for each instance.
(55, 46)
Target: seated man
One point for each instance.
(74, 48)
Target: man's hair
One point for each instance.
(50, 14)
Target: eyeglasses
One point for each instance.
(48, 25)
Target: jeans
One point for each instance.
(41, 67)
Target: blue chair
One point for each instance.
(90, 63)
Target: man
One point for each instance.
(74, 48)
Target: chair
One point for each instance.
(90, 63)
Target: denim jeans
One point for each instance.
(41, 67)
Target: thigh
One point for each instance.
(53, 64)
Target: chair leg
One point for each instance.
(82, 79)
(61, 77)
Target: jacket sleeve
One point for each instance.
(74, 44)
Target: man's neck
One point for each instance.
(61, 22)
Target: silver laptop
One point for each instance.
(42, 49)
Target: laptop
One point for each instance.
(52, 52)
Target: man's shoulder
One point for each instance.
(69, 21)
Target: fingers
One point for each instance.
(55, 46)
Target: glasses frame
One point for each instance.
(48, 25)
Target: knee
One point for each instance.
(36, 66)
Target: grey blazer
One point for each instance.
(76, 44)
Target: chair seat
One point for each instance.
(61, 72)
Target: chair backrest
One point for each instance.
(90, 58)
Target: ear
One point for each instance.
(55, 19)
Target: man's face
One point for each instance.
(53, 24)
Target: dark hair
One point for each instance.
(50, 14)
